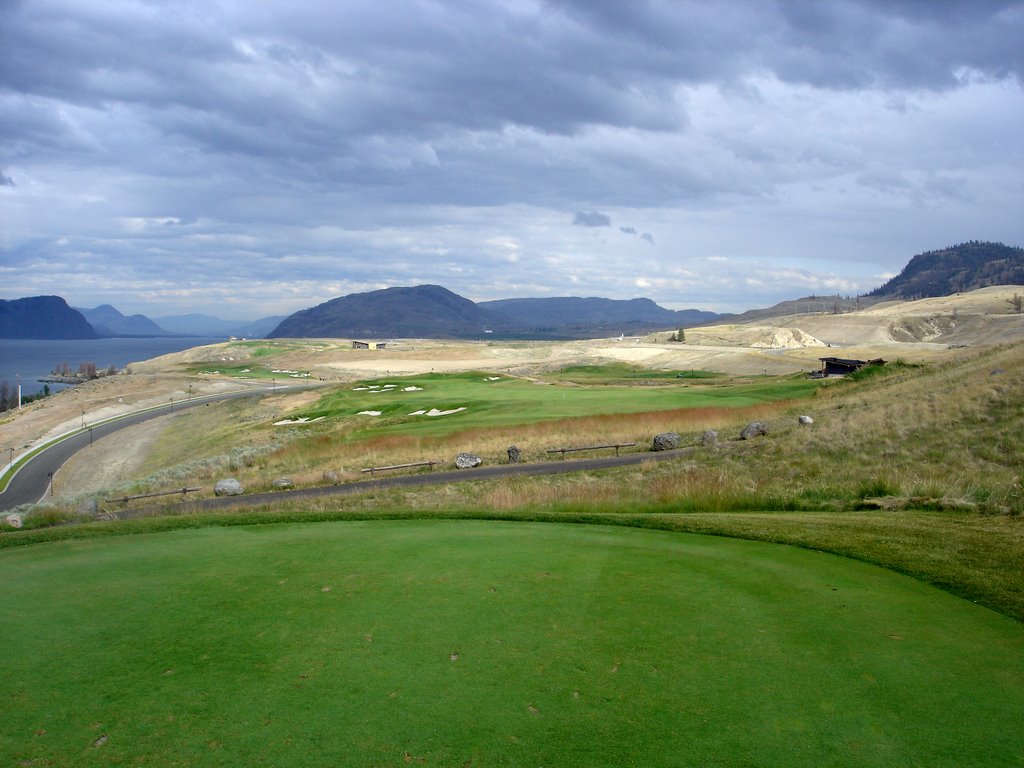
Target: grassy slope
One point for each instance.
(489, 644)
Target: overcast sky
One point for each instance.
(245, 158)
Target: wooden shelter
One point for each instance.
(838, 366)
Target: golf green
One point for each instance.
(490, 644)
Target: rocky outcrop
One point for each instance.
(468, 461)
(753, 429)
(228, 487)
(666, 441)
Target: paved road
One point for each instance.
(32, 480)
(435, 478)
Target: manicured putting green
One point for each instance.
(491, 644)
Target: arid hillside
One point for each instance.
(915, 329)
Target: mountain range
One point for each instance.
(431, 311)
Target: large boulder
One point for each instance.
(228, 487)
(468, 461)
(666, 441)
(805, 421)
(14, 520)
(330, 476)
(753, 429)
(514, 455)
(282, 484)
(709, 439)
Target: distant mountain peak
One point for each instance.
(42, 317)
(109, 321)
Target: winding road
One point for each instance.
(31, 481)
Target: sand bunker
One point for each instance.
(436, 412)
(302, 420)
(368, 413)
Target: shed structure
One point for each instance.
(838, 366)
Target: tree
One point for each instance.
(1016, 302)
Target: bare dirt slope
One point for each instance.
(982, 317)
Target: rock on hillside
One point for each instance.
(42, 317)
(753, 336)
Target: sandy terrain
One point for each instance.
(108, 462)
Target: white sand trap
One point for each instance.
(359, 389)
(435, 412)
(303, 420)
(493, 378)
(368, 413)
(418, 413)
(412, 389)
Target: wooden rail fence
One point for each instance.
(372, 470)
(182, 491)
(616, 446)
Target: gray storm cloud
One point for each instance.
(591, 219)
(296, 142)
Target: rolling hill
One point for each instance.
(964, 267)
(423, 311)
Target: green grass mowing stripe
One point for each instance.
(515, 402)
(385, 643)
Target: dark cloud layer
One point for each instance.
(591, 219)
(319, 146)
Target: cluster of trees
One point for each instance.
(679, 335)
(9, 396)
(85, 371)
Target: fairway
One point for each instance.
(482, 400)
(483, 643)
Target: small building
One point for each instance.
(369, 344)
(838, 366)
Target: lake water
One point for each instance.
(27, 360)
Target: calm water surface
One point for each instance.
(27, 360)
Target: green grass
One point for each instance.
(614, 373)
(470, 643)
(515, 402)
